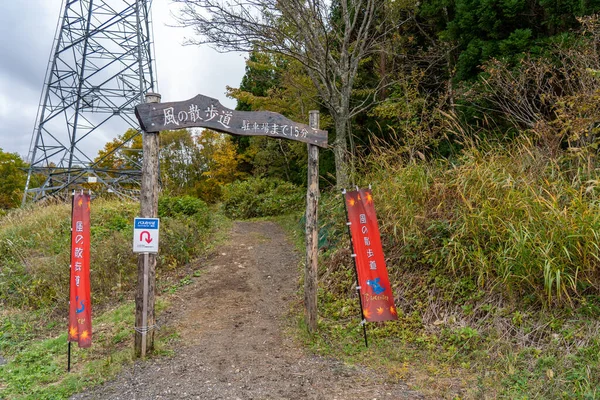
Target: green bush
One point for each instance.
(169, 206)
(185, 206)
(260, 197)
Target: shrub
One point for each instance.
(261, 197)
(187, 205)
(182, 207)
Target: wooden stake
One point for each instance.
(312, 231)
(146, 265)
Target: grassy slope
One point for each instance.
(34, 282)
(493, 259)
(494, 262)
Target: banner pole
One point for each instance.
(70, 276)
(363, 321)
(69, 357)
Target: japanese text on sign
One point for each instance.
(205, 112)
(375, 289)
(80, 310)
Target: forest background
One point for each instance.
(477, 124)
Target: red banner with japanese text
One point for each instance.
(80, 307)
(375, 290)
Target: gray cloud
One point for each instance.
(26, 35)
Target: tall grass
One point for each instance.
(34, 278)
(511, 218)
(493, 258)
(35, 249)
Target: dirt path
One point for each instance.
(231, 323)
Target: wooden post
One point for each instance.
(146, 265)
(312, 231)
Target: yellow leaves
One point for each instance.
(130, 144)
(594, 72)
(224, 168)
(179, 137)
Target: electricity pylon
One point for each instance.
(99, 70)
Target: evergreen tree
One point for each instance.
(483, 29)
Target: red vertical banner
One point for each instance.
(80, 307)
(375, 290)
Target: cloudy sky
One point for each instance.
(26, 34)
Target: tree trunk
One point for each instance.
(340, 151)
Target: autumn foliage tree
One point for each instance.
(278, 84)
(328, 39)
(123, 152)
(220, 164)
(191, 161)
(12, 179)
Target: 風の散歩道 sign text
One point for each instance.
(206, 112)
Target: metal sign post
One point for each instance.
(145, 240)
(145, 235)
(144, 328)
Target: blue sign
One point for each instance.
(146, 223)
(145, 235)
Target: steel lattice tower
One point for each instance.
(99, 70)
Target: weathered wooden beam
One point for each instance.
(312, 232)
(145, 318)
(206, 112)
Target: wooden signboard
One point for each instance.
(206, 112)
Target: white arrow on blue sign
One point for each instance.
(145, 235)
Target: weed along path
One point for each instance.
(231, 321)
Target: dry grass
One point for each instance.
(494, 261)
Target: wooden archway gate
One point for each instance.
(206, 112)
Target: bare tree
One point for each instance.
(329, 38)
